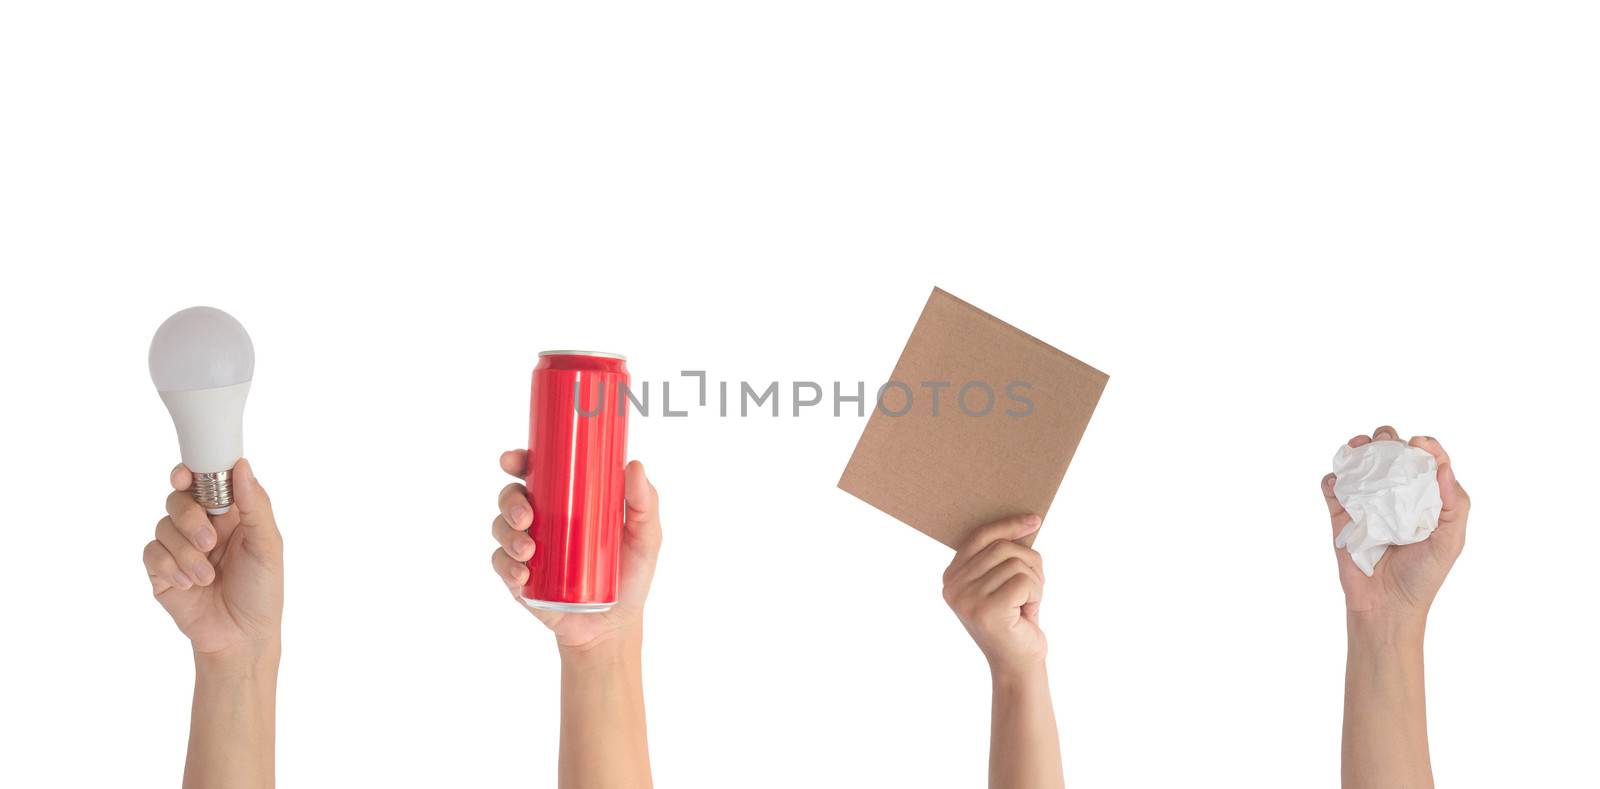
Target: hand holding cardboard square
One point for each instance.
(950, 473)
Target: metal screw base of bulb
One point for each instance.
(214, 491)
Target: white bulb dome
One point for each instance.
(201, 361)
(201, 348)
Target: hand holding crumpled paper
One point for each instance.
(1391, 491)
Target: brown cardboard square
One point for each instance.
(949, 473)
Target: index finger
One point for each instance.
(181, 478)
(1010, 528)
(515, 462)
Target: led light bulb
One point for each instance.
(201, 361)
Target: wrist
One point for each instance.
(611, 649)
(254, 658)
(1385, 630)
(1022, 674)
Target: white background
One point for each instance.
(1274, 224)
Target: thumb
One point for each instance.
(255, 509)
(639, 496)
(1013, 528)
(642, 518)
(1030, 611)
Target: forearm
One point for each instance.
(603, 743)
(1385, 718)
(1024, 749)
(231, 725)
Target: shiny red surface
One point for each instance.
(575, 484)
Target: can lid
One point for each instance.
(600, 354)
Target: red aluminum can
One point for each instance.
(577, 449)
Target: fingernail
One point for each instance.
(525, 548)
(517, 515)
(206, 540)
(203, 573)
(182, 581)
(1031, 520)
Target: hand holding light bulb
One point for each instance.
(216, 564)
(220, 576)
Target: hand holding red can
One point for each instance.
(641, 541)
(582, 528)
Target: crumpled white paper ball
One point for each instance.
(1391, 491)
